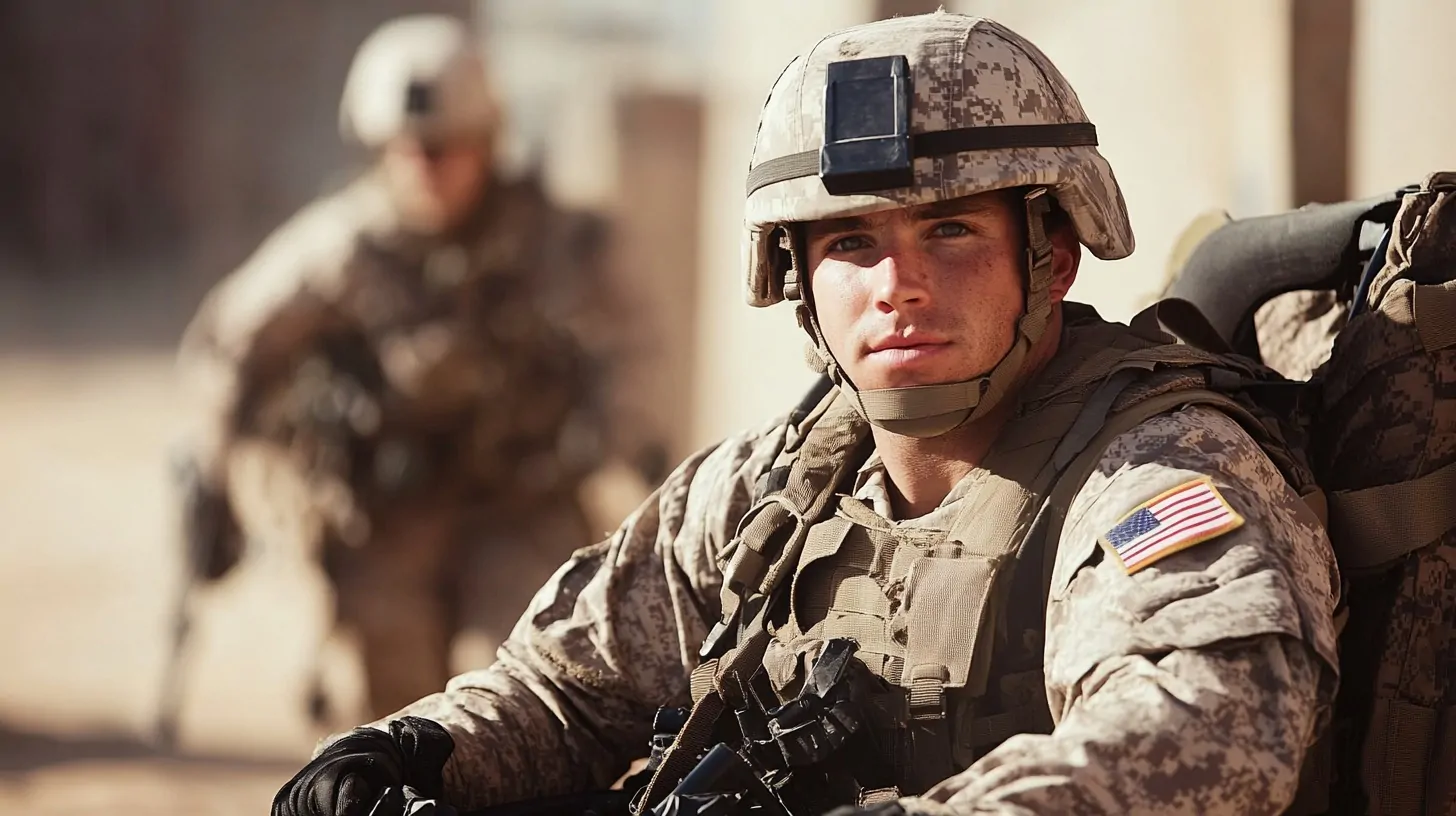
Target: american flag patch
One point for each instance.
(1189, 514)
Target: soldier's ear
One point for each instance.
(1066, 257)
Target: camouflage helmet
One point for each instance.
(968, 76)
(421, 75)
(909, 111)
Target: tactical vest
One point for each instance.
(950, 622)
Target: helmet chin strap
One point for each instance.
(925, 411)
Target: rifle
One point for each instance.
(723, 783)
(777, 771)
(408, 802)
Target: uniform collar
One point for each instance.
(872, 486)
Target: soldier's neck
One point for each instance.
(922, 472)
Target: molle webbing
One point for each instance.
(827, 456)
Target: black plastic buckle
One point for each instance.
(867, 126)
(722, 637)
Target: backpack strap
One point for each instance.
(1183, 320)
(1377, 525)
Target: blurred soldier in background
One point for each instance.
(395, 382)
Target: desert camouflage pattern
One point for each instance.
(1219, 656)
(1388, 415)
(422, 75)
(389, 402)
(966, 72)
(1296, 330)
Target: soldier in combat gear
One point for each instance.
(395, 381)
(1077, 570)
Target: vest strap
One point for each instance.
(700, 681)
(1441, 784)
(1396, 756)
(927, 691)
(1380, 524)
(878, 796)
(1435, 314)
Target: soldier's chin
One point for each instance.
(907, 368)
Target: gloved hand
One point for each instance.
(347, 778)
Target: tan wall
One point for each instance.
(1404, 114)
(263, 132)
(1190, 103)
(750, 362)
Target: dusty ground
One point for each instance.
(88, 573)
(42, 776)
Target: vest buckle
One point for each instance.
(927, 691)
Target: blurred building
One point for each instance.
(147, 147)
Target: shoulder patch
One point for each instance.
(1191, 513)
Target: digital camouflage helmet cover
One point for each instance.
(909, 111)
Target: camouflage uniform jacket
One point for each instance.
(449, 360)
(1194, 686)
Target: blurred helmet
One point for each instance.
(421, 75)
(913, 110)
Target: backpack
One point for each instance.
(1372, 284)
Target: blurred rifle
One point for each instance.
(212, 546)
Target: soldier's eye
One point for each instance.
(849, 243)
(950, 229)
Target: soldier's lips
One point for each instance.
(901, 356)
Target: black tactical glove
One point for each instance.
(348, 777)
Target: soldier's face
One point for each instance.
(921, 295)
(436, 184)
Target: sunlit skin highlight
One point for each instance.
(929, 295)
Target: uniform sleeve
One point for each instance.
(613, 635)
(1194, 684)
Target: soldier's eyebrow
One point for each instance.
(829, 226)
(971, 205)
